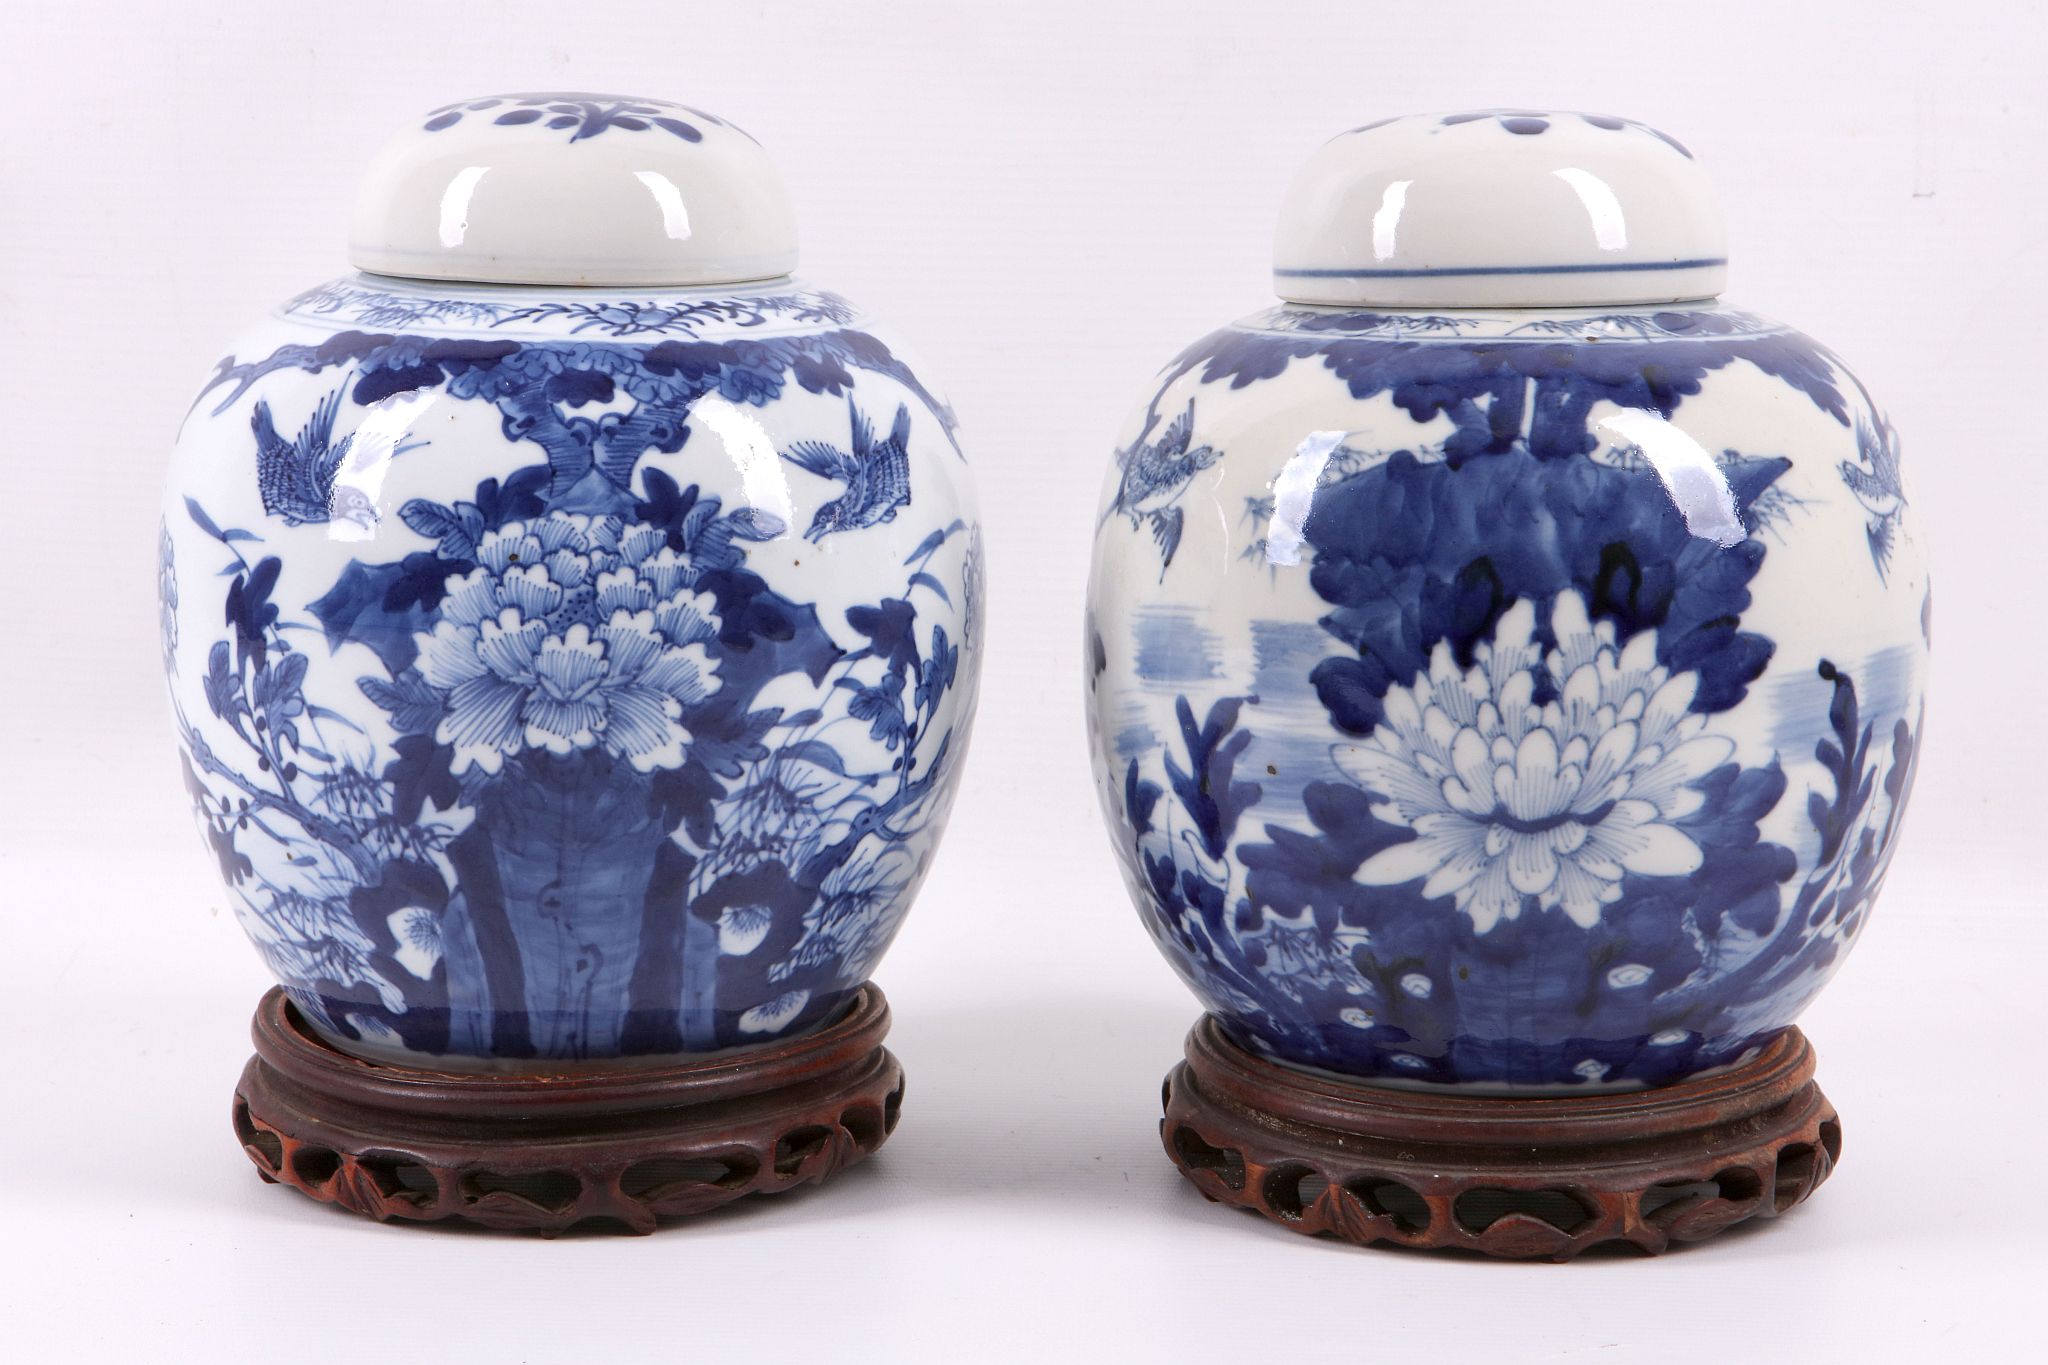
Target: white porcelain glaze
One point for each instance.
(573, 189)
(1504, 208)
(570, 673)
(1517, 699)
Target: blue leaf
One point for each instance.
(430, 519)
(934, 584)
(199, 518)
(926, 546)
(415, 707)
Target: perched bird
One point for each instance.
(876, 474)
(1153, 477)
(1877, 485)
(300, 479)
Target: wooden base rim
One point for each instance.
(603, 1144)
(1514, 1178)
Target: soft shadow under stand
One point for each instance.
(1518, 1178)
(543, 1151)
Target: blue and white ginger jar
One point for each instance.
(1507, 662)
(572, 621)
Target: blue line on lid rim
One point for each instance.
(1577, 268)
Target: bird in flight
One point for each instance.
(1878, 485)
(1153, 476)
(876, 473)
(300, 479)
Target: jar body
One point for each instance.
(1514, 701)
(569, 674)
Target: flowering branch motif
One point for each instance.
(625, 318)
(578, 799)
(1510, 797)
(335, 837)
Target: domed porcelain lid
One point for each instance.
(1505, 208)
(574, 189)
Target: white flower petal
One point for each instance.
(448, 656)
(1405, 862)
(1472, 790)
(1532, 864)
(418, 934)
(642, 726)
(531, 590)
(1579, 893)
(776, 1014)
(1663, 851)
(470, 599)
(1490, 899)
(482, 722)
(508, 647)
(742, 928)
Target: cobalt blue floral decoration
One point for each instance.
(1508, 665)
(572, 625)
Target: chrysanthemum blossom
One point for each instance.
(1511, 800)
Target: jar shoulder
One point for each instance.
(787, 307)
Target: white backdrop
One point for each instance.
(1048, 200)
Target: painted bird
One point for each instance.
(299, 478)
(1878, 487)
(1154, 476)
(876, 474)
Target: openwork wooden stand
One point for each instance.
(622, 1145)
(1519, 1178)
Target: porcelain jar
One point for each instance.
(1507, 660)
(572, 620)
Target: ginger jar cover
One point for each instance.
(1506, 660)
(572, 620)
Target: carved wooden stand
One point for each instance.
(625, 1145)
(1516, 1178)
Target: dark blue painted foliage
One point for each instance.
(1684, 966)
(1369, 980)
(697, 848)
(1413, 552)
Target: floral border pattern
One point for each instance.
(347, 300)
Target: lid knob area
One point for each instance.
(573, 189)
(1505, 208)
